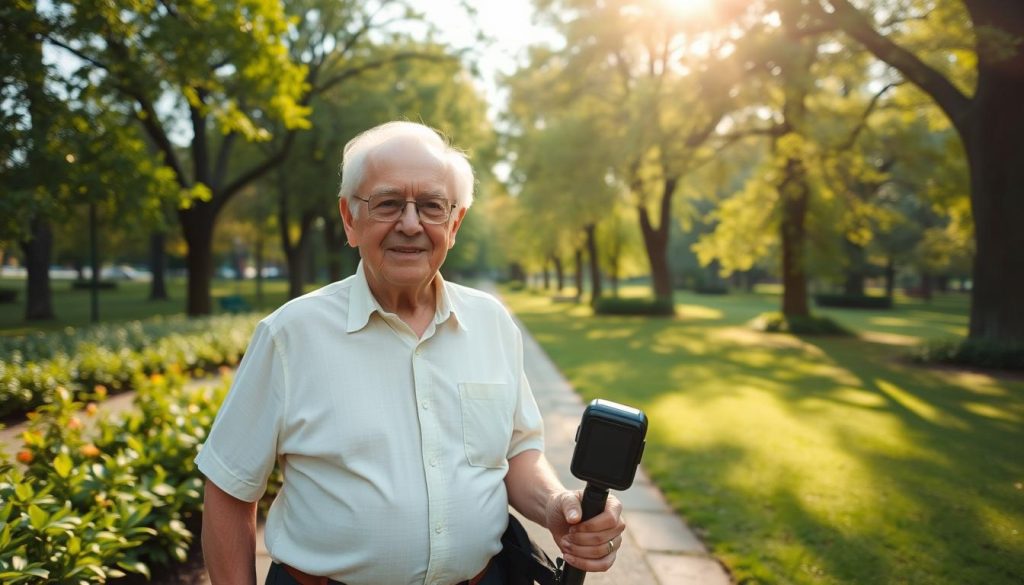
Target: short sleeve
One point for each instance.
(239, 454)
(528, 426)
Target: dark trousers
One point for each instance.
(495, 575)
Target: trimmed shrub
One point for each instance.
(776, 322)
(87, 284)
(853, 301)
(973, 353)
(634, 306)
(711, 289)
(109, 356)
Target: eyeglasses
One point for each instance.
(387, 207)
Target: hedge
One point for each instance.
(33, 367)
(853, 301)
(634, 306)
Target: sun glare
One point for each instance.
(690, 7)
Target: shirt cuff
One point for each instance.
(216, 471)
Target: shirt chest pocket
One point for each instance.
(487, 411)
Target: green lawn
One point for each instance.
(129, 301)
(813, 460)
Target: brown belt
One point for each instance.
(304, 578)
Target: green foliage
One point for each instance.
(853, 301)
(634, 306)
(977, 353)
(35, 369)
(114, 496)
(775, 322)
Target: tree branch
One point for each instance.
(370, 65)
(862, 124)
(954, 103)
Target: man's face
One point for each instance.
(402, 255)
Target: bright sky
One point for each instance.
(506, 22)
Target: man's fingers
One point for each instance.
(571, 509)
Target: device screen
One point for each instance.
(609, 453)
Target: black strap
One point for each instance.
(526, 562)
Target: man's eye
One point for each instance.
(390, 204)
(431, 205)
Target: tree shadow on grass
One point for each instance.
(816, 459)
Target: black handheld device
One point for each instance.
(609, 445)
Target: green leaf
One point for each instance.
(37, 517)
(136, 567)
(62, 465)
(23, 491)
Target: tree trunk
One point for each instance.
(854, 282)
(994, 142)
(559, 273)
(795, 194)
(157, 267)
(547, 276)
(890, 278)
(656, 242)
(258, 261)
(37, 250)
(334, 243)
(197, 227)
(579, 274)
(595, 272)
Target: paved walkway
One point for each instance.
(658, 548)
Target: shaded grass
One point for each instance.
(813, 460)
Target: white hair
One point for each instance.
(357, 153)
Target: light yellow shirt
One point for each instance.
(394, 448)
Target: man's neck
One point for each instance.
(415, 308)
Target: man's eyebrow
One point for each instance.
(387, 190)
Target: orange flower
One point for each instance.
(91, 408)
(90, 450)
(224, 371)
(100, 390)
(25, 456)
(74, 424)
(157, 378)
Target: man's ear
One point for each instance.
(456, 224)
(348, 220)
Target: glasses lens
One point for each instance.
(390, 208)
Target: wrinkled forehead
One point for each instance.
(409, 159)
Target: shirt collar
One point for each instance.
(362, 304)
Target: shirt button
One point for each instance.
(438, 529)
(433, 462)
(425, 405)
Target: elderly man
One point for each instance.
(395, 403)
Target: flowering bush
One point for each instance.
(102, 496)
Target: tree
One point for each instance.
(990, 123)
(65, 145)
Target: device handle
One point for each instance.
(594, 499)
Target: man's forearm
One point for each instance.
(229, 538)
(531, 483)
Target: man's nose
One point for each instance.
(409, 221)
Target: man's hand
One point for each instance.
(535, 491)
(592, 545)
